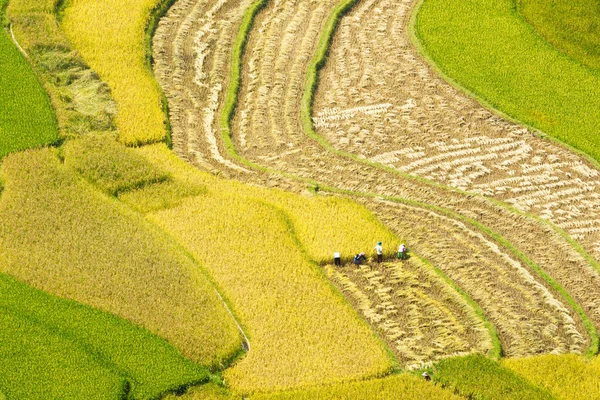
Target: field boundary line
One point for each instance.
(318, 62)
(234, 356)
(245, 342)
(154, 18)
(231, 99)
(14, 39)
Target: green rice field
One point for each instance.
(573, 27)
(26, 117)
(57, 349)
(487, 48)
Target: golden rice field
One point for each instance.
(223, 245)
(300, 329)
(403, 386)
(61, 235)
(110, 37)
(565, 376)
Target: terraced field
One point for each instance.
(331, 101)
(363, 114)
(421, 318)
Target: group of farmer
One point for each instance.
(360, 257)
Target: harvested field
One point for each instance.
(198, 34)
(530, 319)
(278, 142)
(411, 120)
(420, 317)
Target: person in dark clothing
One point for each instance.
(379, 251)
(358, 259)
(337, 260)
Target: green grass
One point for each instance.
(53, 348)
(231, 98)
(571, 26)
(478, 377)
(487, 48)
(26, 117)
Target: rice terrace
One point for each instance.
(209, 199)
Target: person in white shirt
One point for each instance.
(379, 251)
(337, 259)
(402, 252)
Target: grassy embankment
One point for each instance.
(53, 348)
(478, 377)
(573, 27)
(26, 116)
(487, 48)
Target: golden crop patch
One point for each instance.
(566, 376)
(404, 386)
(110, 37)
(301, 330)
(61, 235)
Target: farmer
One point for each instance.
(402, 252)
(426, 376)
(337, 259)
(359, 258)
(379, 251)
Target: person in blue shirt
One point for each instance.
(359, 258)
